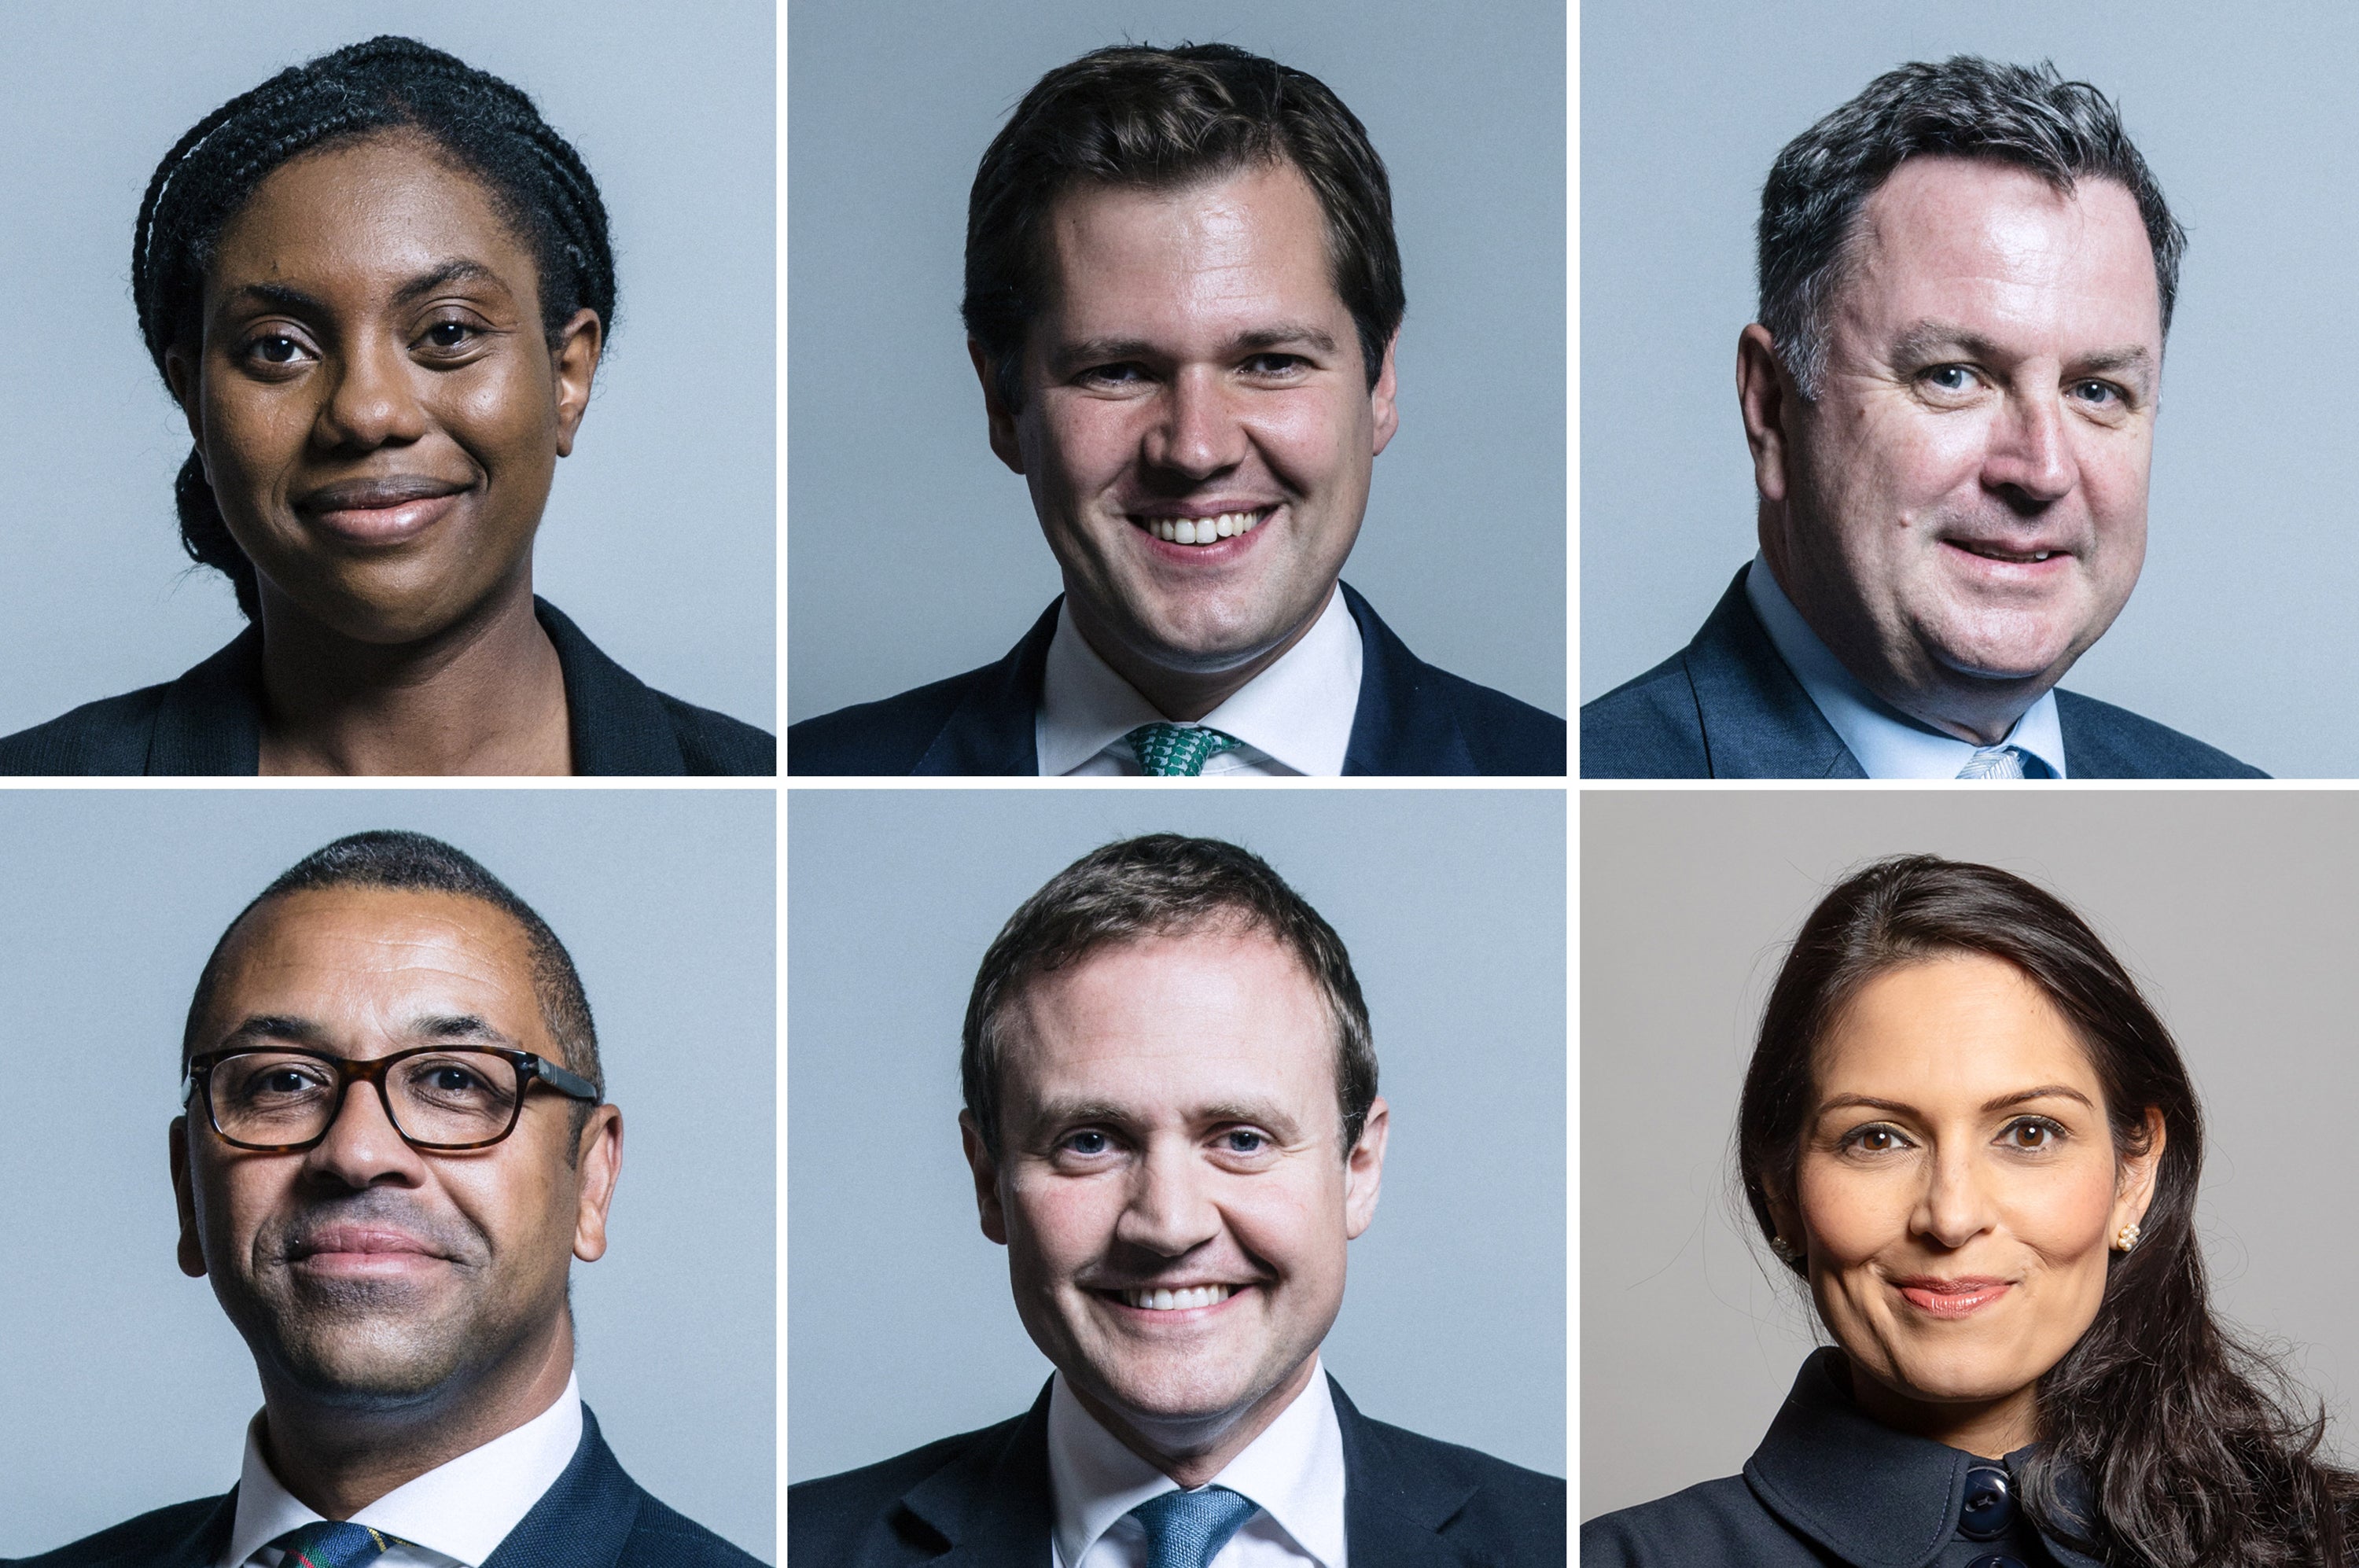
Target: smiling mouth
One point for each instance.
(1163, 1299)
(1202, 531)
(1952, 1298)
(1998, 552)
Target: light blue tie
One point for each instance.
(1187, 1530)
(1993, 762)
(1177, 751)
(327, 1544)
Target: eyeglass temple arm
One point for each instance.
(571, 1085)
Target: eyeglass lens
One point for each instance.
(277, 1098)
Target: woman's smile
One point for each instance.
(382, 512)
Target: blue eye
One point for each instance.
(1088, 1143)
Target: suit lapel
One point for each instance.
(583, 1518)
(209, 721)
(993, 1505)
(1757, 721)
(1395, 1511)
(990, 731)
(1402, 723)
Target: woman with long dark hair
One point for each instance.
(1965, 1131)
(378, 286)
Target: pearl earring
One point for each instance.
(1786, 1250)
(2126, 1238)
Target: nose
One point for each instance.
(1170, 1213)
(1953, 1208)
(1196, 433)
(372, 399)
(2030, 460)
(362, 1148)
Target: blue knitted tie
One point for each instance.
(331, 1545)
(1177, 751)
(1187, 1530)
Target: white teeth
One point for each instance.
(1203, 531)
(1225, 524)
(1158, 1299)
(2041, 554)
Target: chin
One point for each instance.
(360, 1368)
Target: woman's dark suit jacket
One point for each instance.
(210, 722)
(1829, 1485)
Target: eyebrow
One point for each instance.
(2001, 1103)
(1076, 1113)
(1102, 349)
(1927, 340)
(460, 269)
(289, 1028)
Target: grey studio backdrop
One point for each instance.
(915, 555)
(2240, 632)
(2236, 911)
(126, 1388)
(661, 535)
(901, 1329)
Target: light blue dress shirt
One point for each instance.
(1887, 742)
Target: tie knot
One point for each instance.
(327, 1544)
(1177, 751)
(1993, 762)
(1187, 1530)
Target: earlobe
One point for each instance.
(1382, 400)
(599, 1158)
(1363, 1171)
(191, 1252)
(989, 1211)
(1763, 398)
(1001, 419)
(574, 361)
(180, 376)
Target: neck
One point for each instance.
(1194, 1450)
(485, 695)
(1990, 1429)
(338, 1458)
(1183, 695)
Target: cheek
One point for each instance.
(1852, 1215)
(1295, 1228)
(1060, 1224)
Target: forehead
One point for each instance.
(1169, 1022)
(1233, 251)
(1957, 1030)
(363, 959)
(1995, 247)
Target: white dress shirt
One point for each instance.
(1887, 743)
(457, 1513)
(1295, 717)
(1294, 1470)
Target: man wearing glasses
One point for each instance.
(394, 1143)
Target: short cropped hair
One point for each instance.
(1163, 119)
(1965, 107)
(411, 861)
(1161, 885)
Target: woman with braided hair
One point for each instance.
(378, 285)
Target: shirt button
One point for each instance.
(1989, 1508)
(1995, 1561)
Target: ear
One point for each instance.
(1380, 397)
(1767, 398)
(2135, 1189)
(181, 373)
(988, 1207)
(184, 1198)
(1002, 418)
(598, 1165)
(573, 358)
(1787, 1218)
(1363, 1171)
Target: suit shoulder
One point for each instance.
(2102, 741)
(1506, 734)
(829, 1516)
(109, 737)
(664, 1538)
(1714, 1522)
(135, 1543)
(885, 738)
(713, 744)
(1647, 727)
(1514, 1505)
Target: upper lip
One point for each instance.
(358, 1238)
(1192, 510)
(2010, 546)
(1173, 1285)
(366, 495)
(1963, 1285)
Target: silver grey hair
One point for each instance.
(1968, 108)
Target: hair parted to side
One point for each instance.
(2189, 1442)
(1965, 107)
(388, 85)
(400, 861)
(1161, 885)
(1166, 118)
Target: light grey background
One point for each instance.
(126, 1388)
(2237, 910)
(662, 536)
(915, 555)
(2241, 631)
(901, 1329)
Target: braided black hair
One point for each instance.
(486, 125)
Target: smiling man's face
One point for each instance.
(1962, 511)
(361, 1270)
(1171, 1184)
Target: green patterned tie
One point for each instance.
(1177, 751)
(332, 1545)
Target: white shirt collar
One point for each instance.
(1887, 743)
(1294, 1471)
(457, 1513)
(1294, 717)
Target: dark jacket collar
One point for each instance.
(584, 1517)
(1759, 722)
(209, 720)
(1874, 1496)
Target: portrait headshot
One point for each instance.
(409, 1199)
(1211, 329)
(403, 301)
(2001, 292)
(1988, 1232)
(1160, 1079)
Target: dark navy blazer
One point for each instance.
(210, 722)
(1727, 707)
(594, 1516)
(980, 1500)
(1827, 1485)
(1412, 718)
